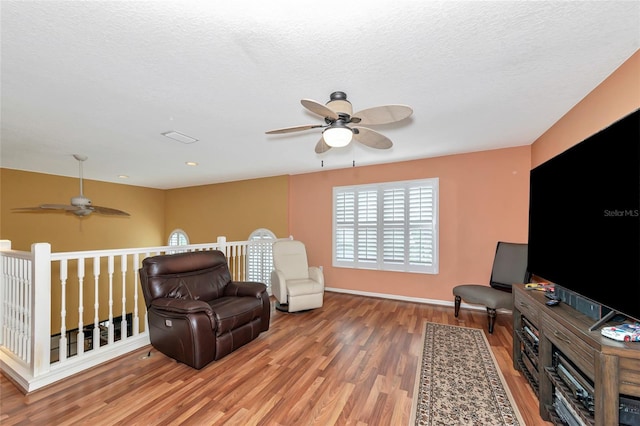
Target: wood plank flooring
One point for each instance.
(352, 362)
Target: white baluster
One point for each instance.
(17, 309)
(15, 326)
(40, 309)
(4, 245)
(96, 303)
(11, 305)
(21, 310)
(63, 311)
(123, 322)
(80, 342)
(110, 328)
(244, 262)
(6, 322)
(27, 306)
(3, 300)
(234, 254)
(136, 321)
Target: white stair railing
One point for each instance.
(89, 293)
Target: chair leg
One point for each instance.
(492, 319)
(282, 307)
(457, 305)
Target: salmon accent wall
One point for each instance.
(484, 198)
(617, 96)
(233, 209)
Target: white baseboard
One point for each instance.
(409, 299)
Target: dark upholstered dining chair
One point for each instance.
(509, 267)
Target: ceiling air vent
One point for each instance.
(177, 136)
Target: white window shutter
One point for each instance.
(260, 256)
(389, 226)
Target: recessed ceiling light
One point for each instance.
(123, 176)
(191, 163)
(180, 137)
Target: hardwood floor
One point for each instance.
(352, 362)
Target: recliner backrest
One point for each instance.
(199, 275)
(510, 265)
(290, 257)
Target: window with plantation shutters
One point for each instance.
(260, 256)
(178, 238)
(387, 226)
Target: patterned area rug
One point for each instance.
(459, 382)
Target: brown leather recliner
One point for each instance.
(196, 313)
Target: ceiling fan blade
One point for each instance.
(80, 205)
(322, 146)
(293, 129)
(317, 108)
(371, 138)
(383, 114)
(66, 207)
(108, 211)
(45, 207)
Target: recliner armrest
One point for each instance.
(184, 307)
(315, 273)
(278, 286)
(245, 288)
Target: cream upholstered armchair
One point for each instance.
(295, 285)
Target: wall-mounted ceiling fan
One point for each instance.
(80, 205)
(341, 124)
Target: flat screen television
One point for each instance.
(584, 218)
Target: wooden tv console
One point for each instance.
(613, 368)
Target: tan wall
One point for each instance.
(483, 199)
(614, 98)
(66, 232)
(233, 209)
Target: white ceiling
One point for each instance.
(106, 78)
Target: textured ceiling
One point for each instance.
(106, 78)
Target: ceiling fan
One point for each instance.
(341, 124)
(80, 205)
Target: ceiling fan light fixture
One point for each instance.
(337, 136)
(338, 116)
